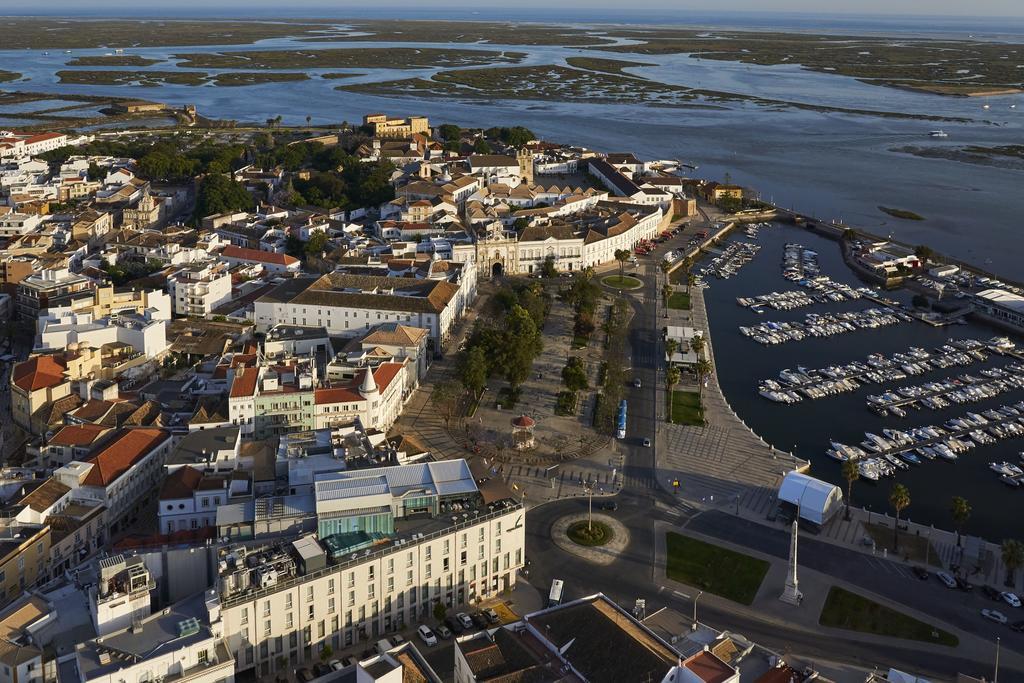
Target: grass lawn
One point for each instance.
(679, 300)
(624, 282)
(686, 408)
(714, 569)
(852, 612)
(597, 533)
(580, 341)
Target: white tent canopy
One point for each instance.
(817, 500)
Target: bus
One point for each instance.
(555, 596)
(621, 431)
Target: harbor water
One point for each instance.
(808, 427)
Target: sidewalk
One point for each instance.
(815, 586)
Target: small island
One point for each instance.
(902, 214)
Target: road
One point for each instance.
(632, 575)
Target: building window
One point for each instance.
(288, 601)
(310, 610)
(330, 605)
(330, 587)
(245, 615)
(289, 622)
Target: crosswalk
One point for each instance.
(680, 513)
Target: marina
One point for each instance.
(793, 387)
(824, 290)
(733, 257)
(884, 456)
(887, 356)
(824, 325)
(957, 391)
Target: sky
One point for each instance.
(975, 9)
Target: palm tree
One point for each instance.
(851, 473)
(703, 368)
(671, 346)
(691, 280)
(309, 119)
(671, 379)
(697, 343)
(621, 255)
(1013, 559)
(961, 512)
(665, 266)
(666, 292)
(899, 499)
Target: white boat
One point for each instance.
(938, 134)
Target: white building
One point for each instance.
(183, 642)
(198, 289)
(290, 606)
(146, 333)
(189, 498)
(18, 224)
(271, 261)
(122, 475)
(349, 305)
(1001, 307)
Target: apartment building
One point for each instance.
(36, 382)
(189, 498)
(24, 556)
(36, 291)
(356, 585)
(18, 224)
(196, 290)
(122, 474)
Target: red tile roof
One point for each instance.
(385, 373)
(39, 372)
(244, 383)
(258, 255)
(131, 446)
(336, 395)
(709, 668)
(77, 435)
(180, 483)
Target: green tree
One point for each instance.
(220, 194)
(316, 243)
(548, 268)
(445, 399)
(697, 343)
(672, 377)
(849, 234)
(440, 611)
(899, 500)
(309, 119)
(574, 375)
(1013, 559)
(523, 343)
(703, 369)
(473, 369)
(851, 473)
(449, 132)
(666, 292)
(691, 280)
(960, 510)
(621, 255)
(481, 146)
(671, 346)
(95, 172)
(924, 253)
(326, 652)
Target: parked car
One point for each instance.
(321, 669)
(383, 645)
(336, 665)
(491, 615)
(454, 625)
(1018, 626)
(464, 619)
(479, 620)
(637, 383)
(964, 584)
(945, 578)
(427, 636)
(994, 615)
(647, 443)
(609, 505)
(304, 675)
(442, 632)
(921, 573)
(991, 593)
(1010, 599)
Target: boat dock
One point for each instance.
(942, 394)
(794, 386)
(880, 456)
(824, 325)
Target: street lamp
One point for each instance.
(695, 599)
(588, 488)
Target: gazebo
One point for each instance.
(522, 432)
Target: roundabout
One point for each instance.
(622, 282)
(600, 539)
